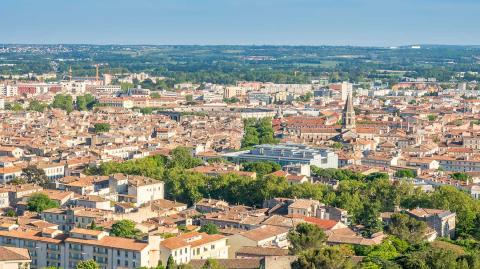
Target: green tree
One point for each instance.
(369, 218)
(460, 176)
(407, 228)
(209, 228)
(40, 202)
(325, 257)
(170, 263)
(102, 127)
(212, 264)
(182, 157)
(35, 105)
(124, 228)
(261, 168)
(10, 213)
(31, 174)
(14, 106)
(88, 264)
(64, 102)
(405, 173)
(306, 236)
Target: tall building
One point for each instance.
(348, 115)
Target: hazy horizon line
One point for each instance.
(244, 45)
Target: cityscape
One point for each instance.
(234, 156)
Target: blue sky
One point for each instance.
(289, 22)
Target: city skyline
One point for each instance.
(214, 22)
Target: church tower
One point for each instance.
(348, 115)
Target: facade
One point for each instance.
(192, 246)
(53, 248)
(442, 221)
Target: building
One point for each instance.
(52, 170)
(14, 258)
(348, 115)
(192, 246)
(11, 152)
(144, 189)
(260, 97)
(9, 173)
(51, 247)
(304, 207)
(108, 251)
(442, 221)
(288, 154)
(264, 236)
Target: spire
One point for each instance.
(70, 74)
(348, 115)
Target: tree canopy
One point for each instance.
(40, 202)
(124, 228)
(88, 264)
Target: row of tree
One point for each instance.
(258, 131)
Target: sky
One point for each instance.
(243, 22)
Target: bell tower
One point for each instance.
(348, 115)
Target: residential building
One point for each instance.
(193, 245)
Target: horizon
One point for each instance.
(242, 45)
(364, 23)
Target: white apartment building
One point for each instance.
(51, 247)
(194, 245)
(8, 90)
(144, 189)
(53, 170)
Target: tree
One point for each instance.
(155, 95)
(325, 257)
(40, 202)
(432, 117)
(258, 132)
(170, 263)
(101, 127)
(182, 157)
(212, 264)
(124, 228)
(261, 168)
(36, 106)
(88, 264)
(93, 226)
(369, 218)
(64, 102)
(405, 173)
(407, 228)
(460, 176)
(209, 228)
(10, 213)
(14, 106)
(31, 174)
(304, 237)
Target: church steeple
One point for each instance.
(348, 115)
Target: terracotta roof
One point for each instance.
(111, 242)
(264, 232)
(14, 254)
(260, 251)
(230, 263)
(192, 239)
